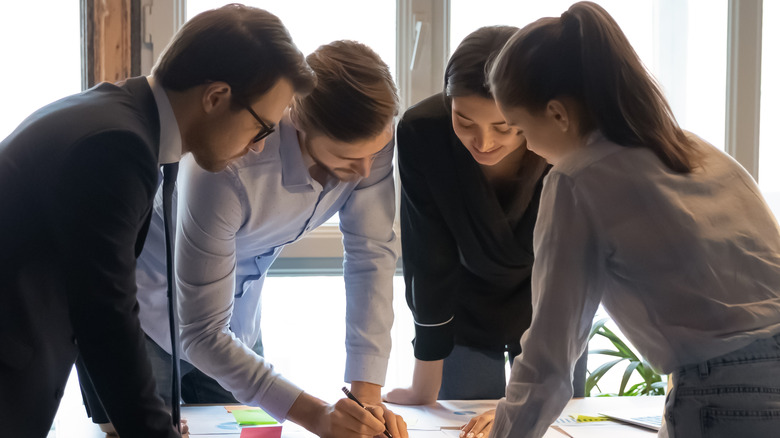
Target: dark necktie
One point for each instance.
(169, 181)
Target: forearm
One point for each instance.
(366, 392)
(306, 411)
(426, 382)
(216, 351)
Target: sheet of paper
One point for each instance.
(443, 414)
(554, 433)
(209, 420)
(602, 429)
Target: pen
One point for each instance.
(354, 399)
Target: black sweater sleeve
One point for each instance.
(431, 263)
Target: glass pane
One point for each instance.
(41, 58)
(769, 139)
(370, 22)
(683, 43)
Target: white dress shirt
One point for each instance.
(170, 137)
(687, 265)
(231, 226)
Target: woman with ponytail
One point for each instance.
(669, 233)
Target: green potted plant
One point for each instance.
(651, 382)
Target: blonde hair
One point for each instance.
(355, 97)
(585, 55)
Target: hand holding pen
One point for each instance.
(354, 399)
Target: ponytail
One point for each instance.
(584, 55)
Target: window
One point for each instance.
(683, 43)
(41, 57)
(769, 139)
(371, 23)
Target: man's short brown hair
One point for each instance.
(355, 97)
(246, 47)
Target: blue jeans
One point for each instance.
(734, 395)
(196, 387)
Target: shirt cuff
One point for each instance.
(277, 398)
(366, 368)
(434, 342)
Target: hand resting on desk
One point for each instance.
(426, 382)
(479, 426)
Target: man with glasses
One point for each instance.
(77, 182)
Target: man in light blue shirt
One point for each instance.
(332, 153)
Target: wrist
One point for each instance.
(306, 411)
(367, 393)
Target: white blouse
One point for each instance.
(687, 265)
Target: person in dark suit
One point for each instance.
(469, 197)
(77, 180)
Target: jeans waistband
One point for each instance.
(764, 347)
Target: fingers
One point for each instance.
(395, 424)
(184, 427)
(465, 430)
(479, 426)
(359, 420)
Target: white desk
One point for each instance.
(443, 419)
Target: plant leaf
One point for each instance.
(606, 352)
(627, 375)
(596, 326)
(598, 373)
(618, 343)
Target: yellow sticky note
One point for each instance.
(586, 418)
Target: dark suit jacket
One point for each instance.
(466, 255)
(77, 180)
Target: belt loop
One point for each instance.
(704, 369)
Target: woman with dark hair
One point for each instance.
(670, 233)
(470, 191)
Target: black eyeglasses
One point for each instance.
(265, 130)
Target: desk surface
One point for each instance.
(420, 419)
(445, 417)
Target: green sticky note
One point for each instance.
(253, 417)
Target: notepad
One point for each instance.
(262, 432)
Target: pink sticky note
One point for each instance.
(231, 408)
(262, 432)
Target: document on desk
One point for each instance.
(605, 429)
(210, 420)
(444, 414)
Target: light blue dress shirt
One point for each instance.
(231, 227)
